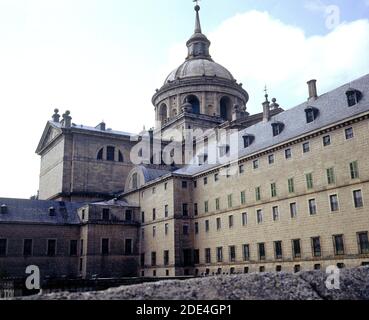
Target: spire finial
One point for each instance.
(198, 24)
(266, 94)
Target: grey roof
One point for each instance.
(152, 173)
(117, 203)
(199, 68)
(333, 108)
(37, 212)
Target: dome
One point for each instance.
(199, 68)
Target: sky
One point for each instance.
(103, 60)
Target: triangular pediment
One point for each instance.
(51, 132)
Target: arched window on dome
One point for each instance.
(226, 108)
(163, 113)
(195, 103)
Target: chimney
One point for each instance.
(56, 116)
(266, 111)
(101, 126)
(313, 92)
(67, 119)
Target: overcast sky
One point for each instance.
(103, 60)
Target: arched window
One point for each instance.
(278, 128)
(120, 157)
(100, 154)
(226, 108)
(353, 97)
(134, 181)
(311, 114)
(163, 113)
(195, 103)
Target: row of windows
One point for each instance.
(109, 154)
(51, 247)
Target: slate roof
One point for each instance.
(118, 203)
(37, 212)
(152, 173)
(333, 108)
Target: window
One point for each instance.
(186, 229)
(154, 231)
(52, 212)
(230, 204)
(196, 228)
(244, 219)
(241, 169)
(110, 153)
(261, 250)
(166, 228)
(143, 233)
(129, 215)
(128, 247)
(273, 188)
(349, 133)
(330, 176)
(216, 177)
(288, 153)
(256, 164)
(248, 140)
(83, 214)
(297, 268)
(358, 199)
(293, 210)
(354, 170)
(316, 247)
(309, 181)
(334, 203)
(278, 268)
(51, 247)
(207, 225)
(230, 221)
(217, 204)
(317, 267)
(166, 211)
(195, 184)
(312, 207)
(153, 190)
(306, 147)
(120, 157)
(153, 259)
(142, 259)
(143, 217)
(185, 209)
(72, 247)
(271, 159)
(184, 184)
(259, 215)
(3, 247)
(166, 257)
(220, 254)
(106, 215)
(275, 211)
(296, 248)
(363, 242)
(206, 206)
(196, 256)
(326, 141)
(246, 252)
(232, 254)
(339, 248)
(291, 185)
(207, 255)
(205, 181)
(100, 154)
(278, 128)
(353, 97)
(219, 224)
(196, 209)
(258, 194)
(278, 249)
(81, 247)
(311, 114)
(154, 214)
(243, 197)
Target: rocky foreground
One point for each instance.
(354, 285)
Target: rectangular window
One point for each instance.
(232, 254)
(293, 210)
(230, 221)
(309, 181)
(143, 217)
(326, 141)
(196, 256)
(3, 247)
(243, 197)
(241, 169)
(196, 209)
(278, 249)
(184, 184)
(51, 247)
(296, 248)
(106, 215)
(185, 209)
(129, 215)
(306, 147)
(271, 159)
(219, 224)
(153, 259)
(143, 233)
(154, 232)
(110, 154)
(205, 181)
(275, 211)
(128, 247)
(220, 254)
(230, 203)
(339, 247)
(349, 133)
(256, 164)
(273, 188)
(166, 257)
(246, 252)
(363, 242)
(196, 228)
(261, 249)
(291, 185)
(258, 193)
(105, 246)
(28, 248)
(288, 153)
(312, 207)
(316, 247)
(330, 176)
(166, 227)
(82, 247)
(166, 211)
(358, 199)
(354, 170)
(207, 225)
(72, 248)
(195, 184)
(334, 203)
(153, 214)
(216, 177)
(217, 204)
(207, 255)
(259, 215)
(142, 259)
(244, 219)
(206, 206)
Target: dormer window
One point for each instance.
(4, 209)
(224, 150)
(311, 114)
(203, 159)
(278, 128)
(248, 140)
(353, 97)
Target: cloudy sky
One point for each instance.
(103, 60)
